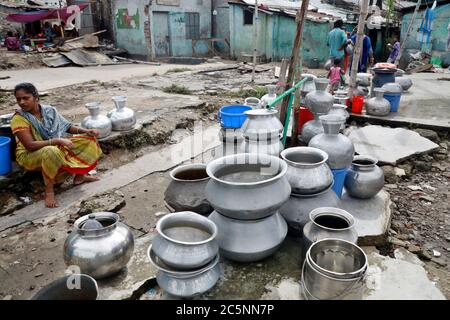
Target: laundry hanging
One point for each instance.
(426, 26)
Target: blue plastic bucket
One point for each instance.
(339, 179)
(233, 117)
(394, 100)
(5, 155)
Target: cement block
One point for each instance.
(388, 145)
(139, 270)
(395, 279)
(372, 217)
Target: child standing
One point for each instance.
(334, 75)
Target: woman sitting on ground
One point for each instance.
(43, 143)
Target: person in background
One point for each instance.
(337, 41)
(395, 50)
(335, 75)
(11, 42)
(48, 143)
(366, 57)
(48, 32)
(346, 54)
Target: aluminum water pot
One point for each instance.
(122, 118)
(307, 171)
(186, 191)
(340, 110)
(378, 106)
(271, 147)
(185, 284)
(339, 148)
(311, 129)
(262, 124)
(405, 82)
(99, 252)
(334, 269)
(309, 85)
(96, 120)
(319, 101)
(270, 96)
(69, 287)
(328, 222)
(247, 185)
(249, 240)
(296, 210)
(364, 179)
(185, 240)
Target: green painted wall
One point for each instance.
(276, 36)
(439, 33)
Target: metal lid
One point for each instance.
(92, 223)
(392, 87)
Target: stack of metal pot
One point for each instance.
(339, 148)
(246, 191)
(186, 254)
(363, 81)
(262, 132)
(319, 102)
(311, 180)
(100, 245)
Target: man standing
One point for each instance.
(337, 40)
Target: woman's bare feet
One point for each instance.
(79, 179)
(50, 200)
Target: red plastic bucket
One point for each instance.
(357, 104)
(304, 115)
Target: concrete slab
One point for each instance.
(394, 279)
(372, 217)
(161, 160)
(388, 145)
(426, 104)
(139, 270)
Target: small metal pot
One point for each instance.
(262, 124)
(185, 240)
(185, 284)
(70, 287)
(249, 240)
(319, 101)
(364, 179)
(122, 118)
(97, 121)
(328, 222)
(307, 171)
(186, 191)
(405, 82)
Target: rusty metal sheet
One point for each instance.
(87, 58)
(56, 61)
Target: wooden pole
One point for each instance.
(408, 32)
(255, 38)
(358, 46)
(59, 21)
(295, 66)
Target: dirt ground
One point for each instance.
(10, 60)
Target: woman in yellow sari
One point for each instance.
(44, 144)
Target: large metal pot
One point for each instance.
(339, 148)
(340, 110)
(364, 179)
(334, 269)
(247, 186)
(99, 251)
(96, 120)
(271, 147)
(69, 287)
(307, 86)
(307, 171)
(249, 240)
(296, 210)
(185, 284)
(311, 129)
(262, 124)
(378, 106)
(319, 101)
(270, 96)
(122, 118)
(363, 79)
(185, 240)
(328, 222)
(186, 191)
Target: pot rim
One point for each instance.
(248, 157)
(193, 217)
(93, 105)
(261, 112)
(334, 212)
(364, 157)
(65, 278)
(119, 98)
(103, 215)
(329, 272)
(183, 167)
(304, 164)
(177, 273)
